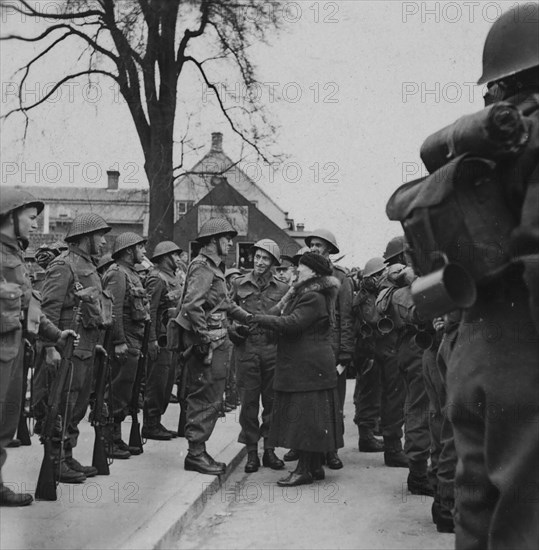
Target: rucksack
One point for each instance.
(458, 214)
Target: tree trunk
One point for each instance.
(158, 167)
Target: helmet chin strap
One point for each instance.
(17, 230)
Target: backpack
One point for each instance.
(458, 214)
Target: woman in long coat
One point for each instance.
(306, 408)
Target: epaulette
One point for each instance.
(114, 267)
(340, 268)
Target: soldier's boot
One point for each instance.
(367, 442)
(203, 463)
(74, 464)
(111, 446)
(317, 470)
(172, 433)
(253, 462)
(394, 456)
(271, 460)
(121, 443)
(10, 498)
(152, 430)
(418, 482)
(67, 475)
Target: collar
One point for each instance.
(80, 252)
(216, 260)
(12, 243)
(267, 278)
(123, 263)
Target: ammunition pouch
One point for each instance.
(95, 308)
(10, 307)
(174, 336)
(139, 304)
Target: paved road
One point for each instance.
(364, 505)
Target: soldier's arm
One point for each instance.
(155, 288)
(55, 293)
(198, 285)
(114, 282)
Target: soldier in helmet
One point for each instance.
(203, 316)
(379, 388)
(164, 292)
(131, 313)
(67, 275)
(256, 350)
(492, 375)
(19, 313)
(322, 241)
(104, 263)
(401, 354)
(286, 270)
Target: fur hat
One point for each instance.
(317, 263)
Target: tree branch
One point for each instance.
(223, 109)
(58, 16)
(56, 86)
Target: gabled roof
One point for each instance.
(199, 179)
(224, 194)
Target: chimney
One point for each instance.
(216, 142)
(113, 179)
(300, 227)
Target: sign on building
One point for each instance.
(238, 216)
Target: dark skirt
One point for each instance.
(307, 421)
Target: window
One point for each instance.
(194, 249)
(245, 255)
(182, 207)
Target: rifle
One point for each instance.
(135, 439)
(182, 390)
(28, 362)
(100, 416)
(46, 483)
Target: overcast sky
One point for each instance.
(361, 84)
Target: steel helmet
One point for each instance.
(374, 266)
(512, 44)
(299, 254)
(126, 240)
(395, 246)
(327, 236)
(12, 198)
(271, 247)
(165, 247)
(105, 261)
(214, 227)
(85, 224)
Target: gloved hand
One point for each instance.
(52, 358)
(201, 350)
(62, 340)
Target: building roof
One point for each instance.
(115, 206)
(198, 182)
(259, 225)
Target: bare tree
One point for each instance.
(144, 46)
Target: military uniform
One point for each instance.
(13, 310)
(70, 272)
(343, 332)
(397, 303)
(493, 381)
(379, 391)
(203, 317)
(255, 357)
(164, 291)
(131, 312)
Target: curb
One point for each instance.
(171, 518)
